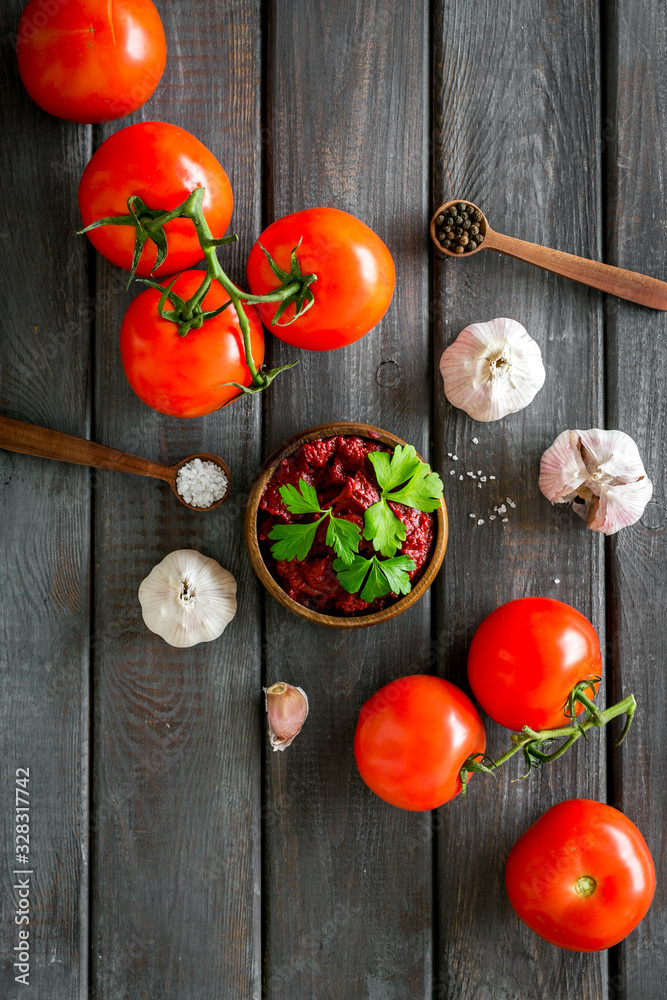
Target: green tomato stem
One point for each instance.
(535, 746)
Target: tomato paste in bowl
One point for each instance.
(336, 465)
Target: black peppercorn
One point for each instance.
(477, 215)
(472, 245)
(447, 243)
(463, 240)
(462, 206)
(441, 236)
(458, 249)
(466, 224)
(440, 220)
(480, 237)
(458, 220)
(474, 229)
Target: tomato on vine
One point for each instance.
(155, 166)
(412, 738)
(527, 656)
(87, 61)
(355, 277)
(582, 877)
(187, 374)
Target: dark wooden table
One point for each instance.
(174, 856)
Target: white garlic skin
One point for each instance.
(286, 711)
(188, 598)
(602, 468)
(492, 369)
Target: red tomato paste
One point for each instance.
(339, 470)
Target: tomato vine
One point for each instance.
(188, 315)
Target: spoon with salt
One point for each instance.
(629, 285)
(28, 439)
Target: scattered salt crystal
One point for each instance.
(472, 515)
(451, 472)
(492, 517)
(492, 477)
(505, 519)
(449, 454)
(479, 472)
(479, 486)
(201, 483)
(483, 479)
(460, 477)
(512, 504)
(502, 509)
(481, 520)
(471, 474)
(508, 500)
(455, 458)
(556, 581)
(475, 440)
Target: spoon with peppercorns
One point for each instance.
(460, 228)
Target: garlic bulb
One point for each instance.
(601, 472)
(188, 598)
(492, 369)
(287, 710)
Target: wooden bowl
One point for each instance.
(334, 621)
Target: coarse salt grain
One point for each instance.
(492, 477)
(460, 477)
(481, 520)
(201, 483)
(455, 458)
(475, 440)
(452, 472)
(505, 519)
(472, 515)
(556, 581)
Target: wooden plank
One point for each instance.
(177, 805)
(347, 890)
(44, 533)
(635, 128)
(519, 141)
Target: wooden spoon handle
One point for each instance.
(28, 439)
(616, 280)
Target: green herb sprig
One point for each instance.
(294, 541)
(375, 577)
(403, 478)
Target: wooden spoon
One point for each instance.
(615, 280)
(28, 439)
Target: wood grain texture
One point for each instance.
(347, 889)
(635, 126)
(44, 538)
(176, 873)
(520, 142)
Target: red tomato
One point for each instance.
(90, 60)
(355, 277)
(581, 877)
(526, 657)
(412, 738)
(184, 376)
(162, 164)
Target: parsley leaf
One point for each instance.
(383, 528)
(393, 470)
(423, 491)
(396, 571)
(305, 502)
(374, 577)
(351, 578)
(343, 536)
(403, 478)
(295, 540)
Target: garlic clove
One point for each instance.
(188, 598)
(492, 369)
(286, 710)
(603, 475)
(562, 468)
(616, 507)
